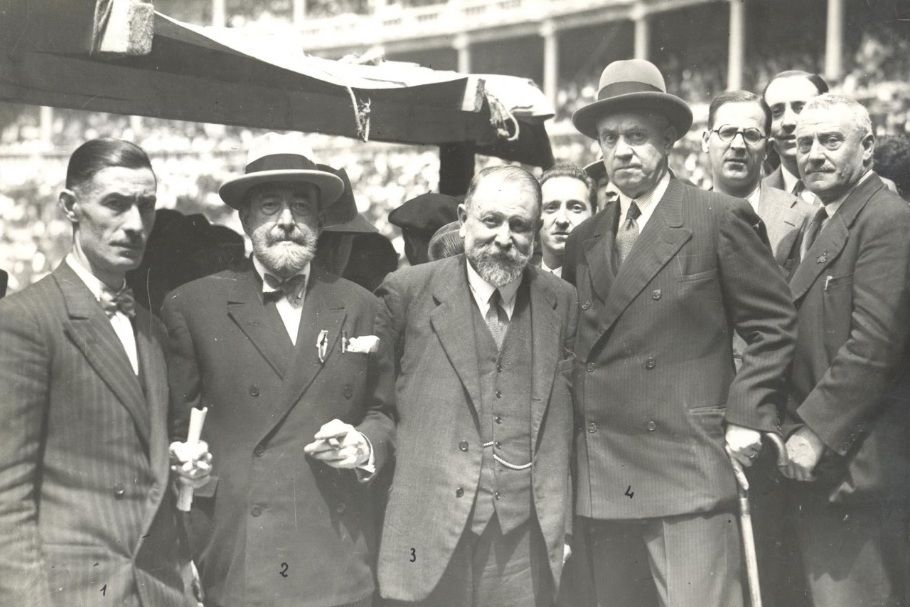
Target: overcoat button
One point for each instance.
(652, 425)
(498, 419)
(459, 492)
(655, 294)
(259, 450)
(590, 367)
(498, 445)
(119, 491)
(586, 305)
(341, 507)
(650, 363)
(348, 390)
(254, 391)
(497, 495)
(592, 427)
(256, 511)
(463, 445)
(498, 394)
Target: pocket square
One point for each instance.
(365, 344)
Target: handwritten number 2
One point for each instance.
(284, 570)
(413, 555)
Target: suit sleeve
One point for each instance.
(570, 258)
(24, 381)
(184, 379)
(851, 390)
(378, 424)
(759, 307)
(569, 354)
(390, 322)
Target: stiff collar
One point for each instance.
(262, 271)
(481, 290)
(790, 180)
(832, 207)
(646, 202)
(94, 284)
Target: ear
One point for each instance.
(462, 217)
(68, 204)
(705, 136)
(868, 143)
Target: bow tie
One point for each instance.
(292, 288)
(118, 301)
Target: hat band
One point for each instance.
(281, 162)
(624, 88)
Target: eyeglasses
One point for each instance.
(751, 135)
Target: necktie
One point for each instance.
(118, 301)
(496, 318)
(628, 232)
(812, 230)
(292, 288)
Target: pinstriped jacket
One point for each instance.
(654, 380)
(86, 515)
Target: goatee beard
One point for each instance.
(499, 268)
(284, 254)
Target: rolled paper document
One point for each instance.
(197, 418)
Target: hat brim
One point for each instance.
(675, 109)
(357, 225)
(234, 192)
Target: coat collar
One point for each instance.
(91, 332)
(831, 240)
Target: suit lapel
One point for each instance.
(660, 239)
(452, 321)
(154, 375)
(246, 308)
(90, 330)
(322, 311)
(599, 250)
(832, 238)
(546, 349)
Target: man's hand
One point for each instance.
(743, 444)
(191, 463)
(804, 449)
(339, 445)
(566, 551)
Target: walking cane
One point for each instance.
(745, 517)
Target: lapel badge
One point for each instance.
(823, 258)
(322, 345)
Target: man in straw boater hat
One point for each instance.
(280, 351)
(664, 275)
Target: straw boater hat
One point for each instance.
(281, 158)
(628, 86)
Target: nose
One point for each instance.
(788, 120)
(816, 153)
(561, 218)
(738, 142)
(285, 217)
(504, 235)
(622, 149)
(132, 221)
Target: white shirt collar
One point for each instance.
(647, 202)
(755, 197)
(790, 179)
(91, 281)
(262, 271)
(546, 268)
(481, 290)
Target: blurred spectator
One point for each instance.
(419, 218)
(892, 161)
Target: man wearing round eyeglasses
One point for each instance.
(736, 141)
(278, 349)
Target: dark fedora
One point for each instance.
(633, 85)
(277, 158)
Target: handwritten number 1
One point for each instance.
(104, 590)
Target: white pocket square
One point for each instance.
(365, 344)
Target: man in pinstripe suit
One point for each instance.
(87, 516)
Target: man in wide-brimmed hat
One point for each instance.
(664, 275)
(280, 350)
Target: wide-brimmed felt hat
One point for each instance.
(276, 158)
(633, 85)
(343, 216)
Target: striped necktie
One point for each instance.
(628, 232)
(496, 318)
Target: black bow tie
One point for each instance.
(292, 288)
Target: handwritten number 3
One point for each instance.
(413, 555)
(284, 570)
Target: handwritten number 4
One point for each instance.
(284, 570)
(413, 555)
(629, 492)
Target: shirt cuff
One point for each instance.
(367, 471)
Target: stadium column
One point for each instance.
(219, 13)
(736, 48)
(462, 46)
(642, 31)
(550, 60)
(834, 65)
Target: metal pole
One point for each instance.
(737, 45)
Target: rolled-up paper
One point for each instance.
(197, 419)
